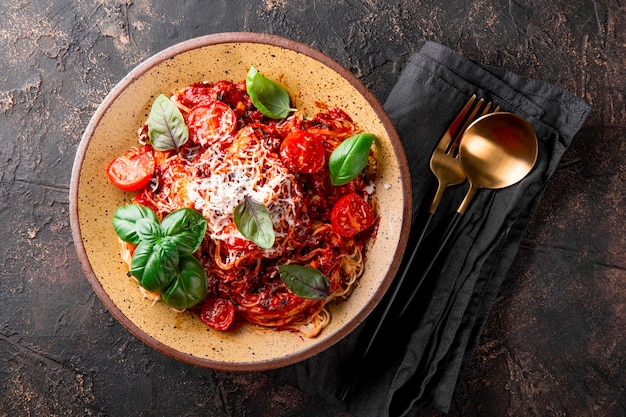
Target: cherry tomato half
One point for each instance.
(217, 313)
(351, 215)
(133, 170)
(303, 152)
(211, 123)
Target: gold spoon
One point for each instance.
(497, 150)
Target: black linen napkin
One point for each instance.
(446, 320)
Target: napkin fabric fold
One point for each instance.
(423, 355)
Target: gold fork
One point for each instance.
(445, 164)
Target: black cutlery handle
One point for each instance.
(381, 315)
(454, 223)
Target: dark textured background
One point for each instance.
(556, 342)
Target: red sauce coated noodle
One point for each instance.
(239, 155)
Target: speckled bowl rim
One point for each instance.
(214, 39)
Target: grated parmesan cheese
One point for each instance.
(252, 171)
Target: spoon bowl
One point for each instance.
(497, 151)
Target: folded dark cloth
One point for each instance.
(426, 352)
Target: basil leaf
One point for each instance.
(187, 228)
(148, 230)
(142, 253)
(125, 219)
(189, 286)
(305, 281)
(166, 125)
(349, 158)
(254, 222)
(270, 98)
(155, 265)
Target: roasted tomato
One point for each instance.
(217, 313)
(212, 123)
(133, 170)
(351, 215)
(303, 152)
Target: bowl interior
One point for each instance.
(310, 77)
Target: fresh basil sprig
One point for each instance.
(166, 125)
(162, 261)
(254, 222)
(305, 281)
(349, 158)
(270, 98)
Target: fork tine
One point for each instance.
(454, 126)
(487, 107)
(454, 143)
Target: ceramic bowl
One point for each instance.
(113, 129)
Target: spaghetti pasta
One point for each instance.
(235, 152)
